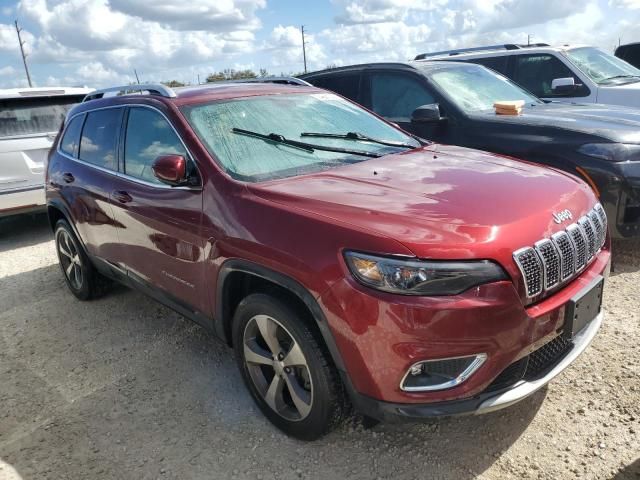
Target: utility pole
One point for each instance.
(304, 49)
(24, 56)
(136, 73)
(528, 40)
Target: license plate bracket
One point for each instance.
(583, 308)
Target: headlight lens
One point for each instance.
(612, 152)
(417, 277)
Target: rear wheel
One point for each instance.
(80, 275)
(286, 368)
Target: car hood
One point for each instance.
(627, 94)
(440, 201)
(611, 122)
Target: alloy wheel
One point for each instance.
(278, 368)
(70, 259)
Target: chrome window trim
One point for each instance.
(478, 361)
(118, 173)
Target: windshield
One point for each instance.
(250, 158)
(474, 88)
(602, 68)
(29, 116)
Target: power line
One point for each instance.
(304, 50)
(24, 56)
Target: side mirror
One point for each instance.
(427, 114)
(170, 169)
(563, 86)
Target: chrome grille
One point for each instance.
(531, 269)
(552, 262)
(590, 233)
(580, 243)
(597, 223)
(603, 218)
(567, 254)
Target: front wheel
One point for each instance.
(286, 367)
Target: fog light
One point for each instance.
(429, 375)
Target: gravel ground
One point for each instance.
(123, 388)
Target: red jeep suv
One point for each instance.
(348, 263)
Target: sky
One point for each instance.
(100, 42)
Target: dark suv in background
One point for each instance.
(452, 102)
(344, 260)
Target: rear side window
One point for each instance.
(347, 84)
(499, 64)
(71, 138)
(148, 136)
(33, 116)
(536, 72)
(396, 95)
(99, 138)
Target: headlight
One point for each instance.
(417, 277)
(612, 152)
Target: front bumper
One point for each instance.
(479, 404)
(380, 336)
(619, 186)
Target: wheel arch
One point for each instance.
(237, 278)
(56, 211)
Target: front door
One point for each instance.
(394, 95)
(159, 225)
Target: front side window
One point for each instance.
(252, 159)
(602, 68)
(99, 138)
(71, 138)
(473, 88)
(536, 73)
(395, 95)
(34, 116)
(148, 135)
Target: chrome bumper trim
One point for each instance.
(523, 388)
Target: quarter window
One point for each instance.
(346, 84)
(71, 138)
(537, 72)
(99, 138)
(395, 96)
(148, 136)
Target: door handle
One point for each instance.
(68, 178)
(122, 197)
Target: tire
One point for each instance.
(79, 273)
(299, 390)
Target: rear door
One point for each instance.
(28, 127)
(159, 225)
(82, 172)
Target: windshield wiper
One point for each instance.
(615, 77)
(358, 137)
(307, 147)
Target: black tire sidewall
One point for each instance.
(84, 292)
(319, 420)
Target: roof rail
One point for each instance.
(506, 46)
(282, 80)
(151, 88)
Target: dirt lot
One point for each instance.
(123, 388)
